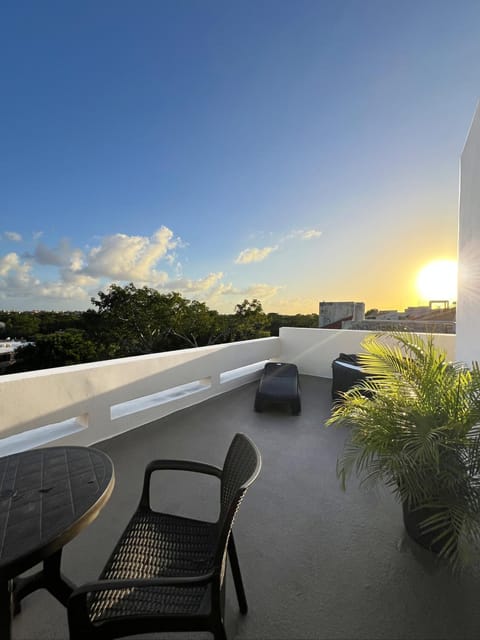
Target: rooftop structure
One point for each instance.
(351, 315)
(7, 352)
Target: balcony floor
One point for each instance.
(317, 563)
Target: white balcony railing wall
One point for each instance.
(87, 403)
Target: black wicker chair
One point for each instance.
(167, 573)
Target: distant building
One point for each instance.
(331, 315)
(7, 352)
(437, 317)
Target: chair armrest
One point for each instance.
(133, 583)
(77, 603)
(174, 465)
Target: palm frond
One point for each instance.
(414, 424)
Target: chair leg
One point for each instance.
(237, 576)
(219, 632)
(6, 608)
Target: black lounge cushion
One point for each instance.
(346, 372)
(279, 383)
(350, 358)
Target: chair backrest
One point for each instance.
(242, 465)
(280, 370)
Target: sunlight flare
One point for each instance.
(438, 280)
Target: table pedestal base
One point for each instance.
(13, 591)
(49, 578)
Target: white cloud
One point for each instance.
(254, 255)
(16, 280)
(119, 258)
(15, 276)
(131, 257)
(76, 260)
(224, 296)
(159, 281)
(79, 279)
(61, 256)
(309, 234)
(224, 290)
(62, 291)
(9, 262)
(303, 234)
(13, 236)
(260, 291)
(202, 284)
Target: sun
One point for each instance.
(438, 280)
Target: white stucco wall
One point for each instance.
(468, 301)
(87, 403)
(313, 350)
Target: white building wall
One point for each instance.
(329, 312)
(313, 350)
(468, 301)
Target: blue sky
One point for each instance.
(289, 151)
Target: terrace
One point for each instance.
(317, 563)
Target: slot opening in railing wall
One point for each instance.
(152, 400)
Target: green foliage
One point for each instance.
(128, 321)
(21, 324)
(51, 321)
(249, 321)
(194, 324)
(133, 321)
(55, 350)
(27, 324)
(276, 320)
(414, 424)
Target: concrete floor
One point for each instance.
(317, 563)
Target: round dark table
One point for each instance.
(47, 496)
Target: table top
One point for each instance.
(46, 497)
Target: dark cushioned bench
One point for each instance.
(279, 383)
(345, 373)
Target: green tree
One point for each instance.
(249, 321)
(21, 324)
(131, 321)
(194, 324)
(51, 321)
(55, 350)
(276, 320)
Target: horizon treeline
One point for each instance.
(129, 321)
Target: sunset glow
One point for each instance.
(438, 280)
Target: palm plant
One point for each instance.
(415, 424)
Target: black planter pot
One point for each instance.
(412, 520)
